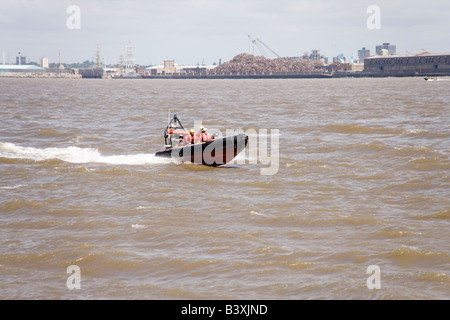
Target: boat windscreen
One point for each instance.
(173, 132)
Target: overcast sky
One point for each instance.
(204, 31)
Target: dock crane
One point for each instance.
(60, 63)
(340, 56)
(354, 58)
(260, 45)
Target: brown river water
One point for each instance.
(342, 193)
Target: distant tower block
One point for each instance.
(129, 60)
(44, 62)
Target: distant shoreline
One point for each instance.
(294, 76)
(45, 75)
(336, 75)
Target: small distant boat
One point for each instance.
(214, 153)
(129, 75)
(431, 78)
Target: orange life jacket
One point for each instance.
(189, 138)
(203, 137)
(206, 137)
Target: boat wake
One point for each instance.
(76, 155)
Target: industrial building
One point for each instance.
(386, 49)
(169, 67)
(21, 68)
(44, 63)
(21, 60)
(408, 65)
(362, 54)
(314, 56)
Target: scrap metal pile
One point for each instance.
(245, 63)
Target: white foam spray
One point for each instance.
(76, 155)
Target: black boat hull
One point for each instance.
(212, 153)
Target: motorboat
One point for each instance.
(215, 152)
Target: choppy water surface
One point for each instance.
(362, 179)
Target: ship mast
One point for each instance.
(98, 57)
(129, 60)
(60, 63)
(121, 65)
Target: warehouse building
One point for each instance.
(21, 68)
(424, 64)
(169, 67)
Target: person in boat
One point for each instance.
(203, 135)
(170, 137)
(188, 138)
